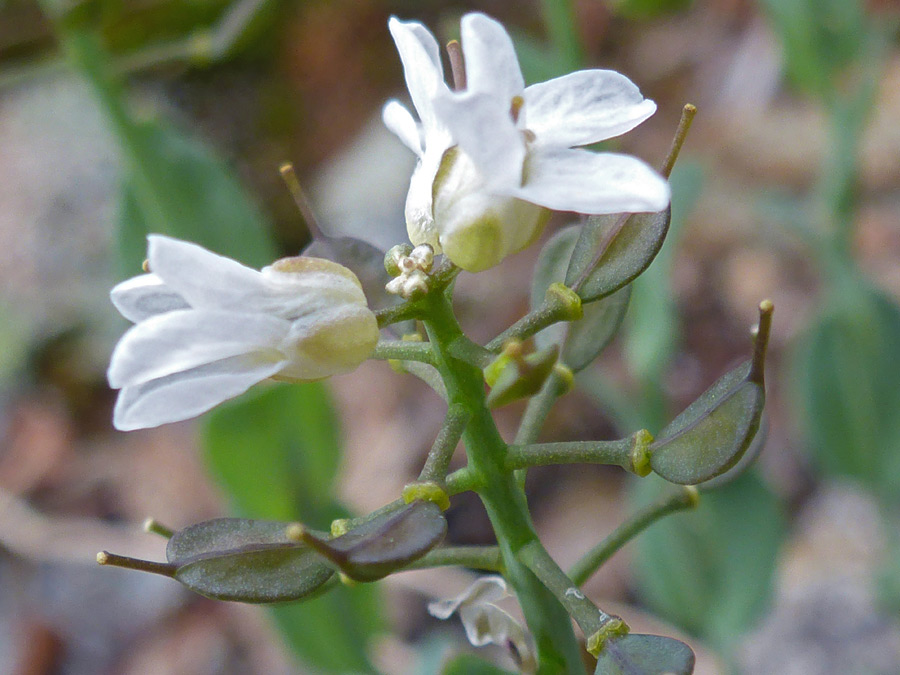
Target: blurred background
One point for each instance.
(122, 118)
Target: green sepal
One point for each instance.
(628, 254)
(384, 544)
(712, 433)
(637, 654)
(246, 561)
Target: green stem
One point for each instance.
(618, 453)
(545, 315)
(404, 350)
(438, 461)
(536, 413)
(587, 615)
(402, 312)
(475, 557)
(472, 353)
(594, 559)
(558, 650)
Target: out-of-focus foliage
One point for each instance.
(647, 9)
(847, 379)
(710, 570)
(175, 185)
(277, 451)
(819, 38)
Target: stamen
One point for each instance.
(457, 65)
(146, 266)
(300, 199)
(516, 107)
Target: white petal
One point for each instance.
(484, 129)
(144, 296)
(187, 394)
(422, 68)
(185, 339)
(484, 589)
(491, 63)
(592, 183)
(203, 278)
(584, 107)
(399, 120)
(487, 624)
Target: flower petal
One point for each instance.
(421, 58)
(203, 278)
(491, 64)
(144, 296)
(184, 339)
(484, 589)
(484, 129)
(187, 394)
(592, 183)
(584, 107)
(400, 121)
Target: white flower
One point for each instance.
(485, 622)
(493, 157)
(208, 328)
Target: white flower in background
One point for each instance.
(486, 623)
(495, 156)
(208, 328)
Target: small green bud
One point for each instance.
(521, 376)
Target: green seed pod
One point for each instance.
(626, 245)
(245, 560)
(382, 545)
(645, 654)
(714, 432)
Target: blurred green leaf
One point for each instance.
(645, 654)
(469, 664)
(647, 9)
(818, 38)
(845, 373)
(276, 451)
(539, 61)
(710, 570)
(174, 185)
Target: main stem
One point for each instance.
(558, 650)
